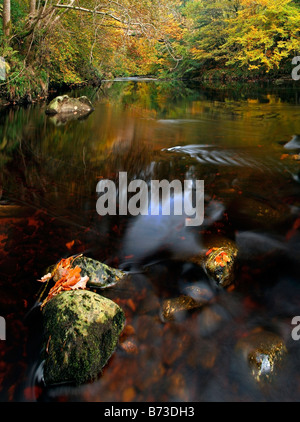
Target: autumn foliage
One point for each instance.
(67, 278)
(74, 42)
(247, 34)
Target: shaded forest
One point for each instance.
(58, 43)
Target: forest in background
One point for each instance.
(56, 43)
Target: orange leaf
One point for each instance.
(218, 259)
(70, 279)
(225, 257)
(70, 244)
(211, 250)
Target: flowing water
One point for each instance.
(244, 143)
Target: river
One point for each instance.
(243, 142)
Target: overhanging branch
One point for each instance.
(83, 9)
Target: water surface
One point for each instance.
(233, 139)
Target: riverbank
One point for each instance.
(239, 75)
(214, 78)
(32, 97)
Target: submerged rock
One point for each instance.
(220, 265)
(264, 352)
(201, 292)
(196, 297)
(173, 308)
(219, 260)
(66, 105)
(81, 331)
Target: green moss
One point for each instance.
(81, 333)
(100, 275)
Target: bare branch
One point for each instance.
(83, 9)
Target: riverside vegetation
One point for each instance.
(51, 43)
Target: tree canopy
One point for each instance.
(252, 34)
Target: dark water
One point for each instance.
(233, 139)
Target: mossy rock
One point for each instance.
(81, 332)
(66, 105)
(100, 275)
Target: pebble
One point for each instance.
(264, 352)
(177, 307)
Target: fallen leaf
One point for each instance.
(68, 278)
(69, 245)
(211, 250)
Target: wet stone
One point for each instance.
(100, 275)
(264, 353)
(175, 308)
(219, 260)
(65, 105)
(220, 265)
(81, 331)
(201, 292)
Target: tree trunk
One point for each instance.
(32, 7)
(6, 17)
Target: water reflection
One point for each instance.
(234, 140)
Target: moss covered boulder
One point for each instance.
(81, 331)
(65, 105)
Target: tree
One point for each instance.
(79, 41)
(32, 7)
(132, 31)
(259, 35)
(6, 17)
(208, 25)
(263, 34)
